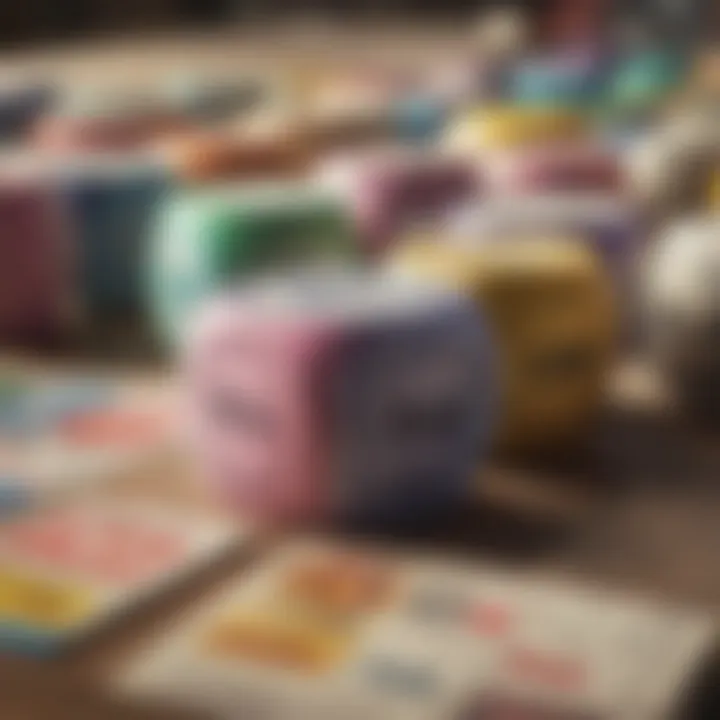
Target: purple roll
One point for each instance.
(37, 268)
(392, 190)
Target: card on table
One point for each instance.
(60, 432)
(324, 632)
(67, 568)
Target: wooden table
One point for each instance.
(641, 512)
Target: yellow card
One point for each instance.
(42, 602)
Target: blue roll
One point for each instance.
(570, 79)
(112, 202)
(420, 118)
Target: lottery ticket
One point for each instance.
(331, 632)
(59, 433)
(66, 568)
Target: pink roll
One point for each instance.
(343, 395)
(37, 279)
(392, 190)
(236, 454)
(557, 167)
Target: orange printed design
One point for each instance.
(340, 584)
(277, 640)
(113, 428)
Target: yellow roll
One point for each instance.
(549, 303)
(501, 127)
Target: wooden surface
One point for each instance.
(641, 510)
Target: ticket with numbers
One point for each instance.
(289, 641)
(321, 631)
(61, 432)
(67, 568)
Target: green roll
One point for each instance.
(210, 238)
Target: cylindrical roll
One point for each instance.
(345, 396)
(392, 190)
(112, 201)
(550, 308)
(208, 238)
(37, 270)
(489, 129)
(573, 78)
(643, 81)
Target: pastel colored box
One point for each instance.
(341, 396)
(390, 191)
(55, 587)
(487, 129)
(112, 201)
(209, 238)
(549, 307)
(560, 167)
(37, 270)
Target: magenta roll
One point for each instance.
(554, 168)
(393, 190)
(346, 396)
(37, 263)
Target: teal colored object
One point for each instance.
(420, 119)
(208, 239)
(644, 80)
(570, 79)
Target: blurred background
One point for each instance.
(36, 21)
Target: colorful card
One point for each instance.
(66, 568)
(329, 632)
(58, 433)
